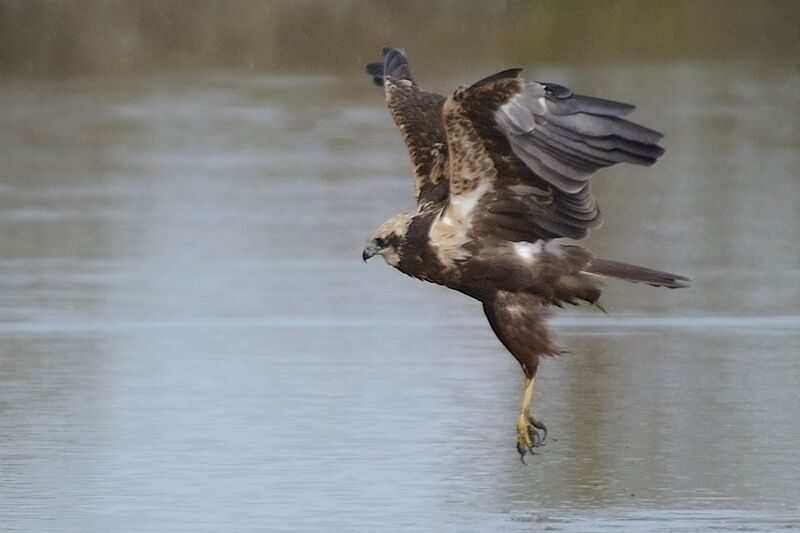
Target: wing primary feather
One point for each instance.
(579, 160)
(650, 152)
(395, 64)
(627, 152)
(589, 104)
(376, 71)
(562, 101)
(557, 172)
(607, 143)
(602, 126)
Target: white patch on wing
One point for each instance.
(528, 250)
(465, 203)
(447, 236)
(450, 232)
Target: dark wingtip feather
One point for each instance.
(656, 151)
(395, 64)
(376, 71)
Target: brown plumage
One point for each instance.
(502, 174)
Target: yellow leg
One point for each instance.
(527, 395)
(527, 435)
(524, 442)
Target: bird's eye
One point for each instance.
(380, 242)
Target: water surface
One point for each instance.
(189, 340)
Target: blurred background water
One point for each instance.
(189, 340)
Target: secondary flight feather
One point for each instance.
(502, 173)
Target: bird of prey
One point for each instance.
(502, 173)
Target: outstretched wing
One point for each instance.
(418, 114)
(522, 154)
(565, 138)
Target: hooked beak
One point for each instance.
(370, 251)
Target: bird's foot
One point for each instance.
(531, 433)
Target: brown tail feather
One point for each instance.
(635, 274)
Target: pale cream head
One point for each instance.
(387, 239)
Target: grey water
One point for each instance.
(189, 340)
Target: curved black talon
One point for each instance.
(522, 451)
(537, 424)
(537, 435)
